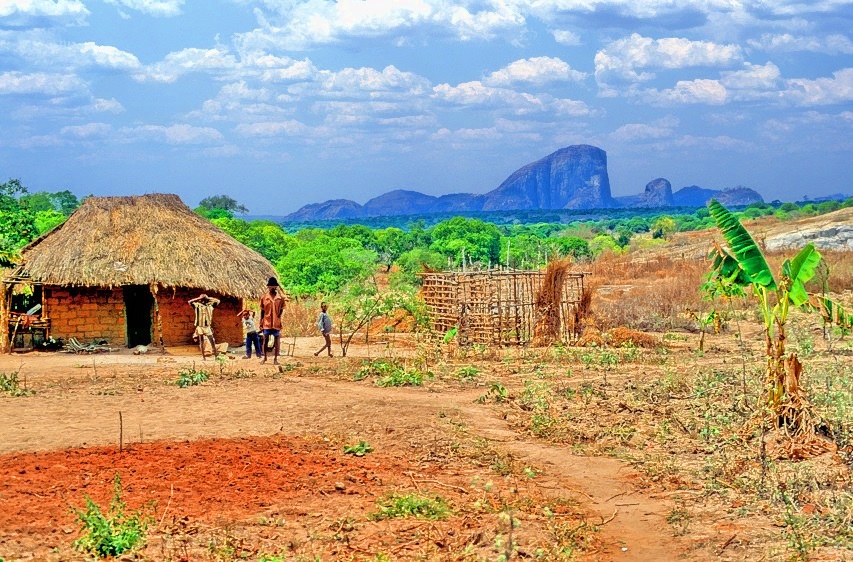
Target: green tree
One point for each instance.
(410, 263)
(17, 222)
(478, 241)
(663, 227)
(219, 206)
(603, 243)
(65, 202)
(390, 245)
(325, 264)
(577, 248)
(45, 220)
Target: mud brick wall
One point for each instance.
(178, 317)
(87, 314)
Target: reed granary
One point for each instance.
(122, 269)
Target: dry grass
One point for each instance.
(647, 294)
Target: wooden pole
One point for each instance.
(5, 346)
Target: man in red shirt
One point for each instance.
(272, 307)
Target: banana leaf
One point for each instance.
(799, 272)
(831, 312)
(744, 248)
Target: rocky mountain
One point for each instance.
(574, 177)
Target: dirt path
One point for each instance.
(86, 409)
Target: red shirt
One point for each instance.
(272, 307)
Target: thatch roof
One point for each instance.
(143, 240)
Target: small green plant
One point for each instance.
(112, 533)
(11, 385)
(497, 392)
(358, 450)
(191, 377)
(411, 505)
(468, 373)
(402, 377)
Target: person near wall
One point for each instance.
(272, 307)
(247, 317)
(324, 324)
(203, 306)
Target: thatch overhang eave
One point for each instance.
(144, 240)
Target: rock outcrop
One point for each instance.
(329, 210)
(658, 193)
(574, 177)
(832, 231)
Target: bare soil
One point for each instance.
(250, 463)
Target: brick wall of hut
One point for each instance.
(94, 314)
(87, 314)
(178, 317)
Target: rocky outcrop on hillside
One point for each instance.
(658, 193)
(832, 231)
(695, 196)
(329, 210)
(574, 177)
(399, 202)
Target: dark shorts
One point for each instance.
(272, 332)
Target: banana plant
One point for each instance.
(741, 263)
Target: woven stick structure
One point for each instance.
(506, 306)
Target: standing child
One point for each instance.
(203, 306)
(324, 324)
(251, 330)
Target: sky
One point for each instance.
(280, 103)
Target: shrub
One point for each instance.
(411, 505)
(111, 534)
(191, 377)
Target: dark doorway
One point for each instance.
(138, 303)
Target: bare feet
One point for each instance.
(264, 360)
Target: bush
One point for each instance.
(111, 534)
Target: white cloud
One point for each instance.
(175, 134)
(537, 70)
(87, 131)
(107, 106)
(821, 91)
(476, 93)
(272, 129)
(293, 26)
(632, 132)
(703, 91)
(565, 37)
(42, 8)
(752, 77)
(39, 83)
(42, 50)
(178, 63)
(635, 58)
(151, 7)
(389, 79)
(832, 44)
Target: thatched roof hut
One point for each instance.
(122, 269)
(142, 240)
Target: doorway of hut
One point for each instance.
(138, 305)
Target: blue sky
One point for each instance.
(279, 103)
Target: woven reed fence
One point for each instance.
(506, 307)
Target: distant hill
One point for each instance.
(574, 177)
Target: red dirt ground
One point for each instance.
(251, 463)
